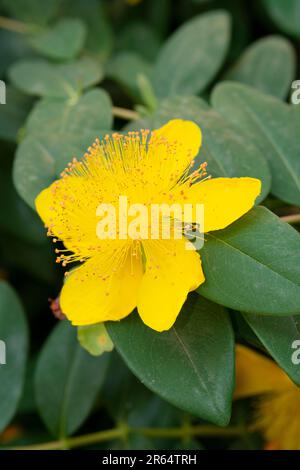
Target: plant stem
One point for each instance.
(123, 113)
(13, 25)
(191, 431)
(121, 432)
(291, 219)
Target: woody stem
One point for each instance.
(123, 113)
(13, 25)
(123, 431)
(291, 219)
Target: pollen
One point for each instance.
(154, 274)
(119, 164)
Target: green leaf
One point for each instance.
(13, 114)
(67, 381)
(139, 37)
(63, 41)
(72, 127)
(159, 13)
(192, 56)
(278, 335)
(285, 14)
(253, 265)
(191, 365)
(271, 124)
(147, 93)
(268, 64)
(27, 403)
(32, 11)
(13, 47)
(13, 348)
(242, 28)
(25, 223)
(32, 259)
(243, 332)
(129, 401)
(90, 113)
(100, 38)
(228, 152)
(125, 68)
(95, 339)
(42, 78)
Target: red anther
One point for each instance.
(56, 310)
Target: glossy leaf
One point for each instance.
(91, 112)
(100, 38)
(13, 114)
(32, 11)
(277, 335)
(67, 381)
(285, 14)
(13, 352)
(25, 223)
(268, 64)
(34, 260)
(139, 37)
(177, 364)
(42, 78)
(228, 152)
(271, 124)
(184, 67)
(58, 130)
(159, 12)
(63, 41)
(125, 68)
(253, 265)
(128, 400)
(13, 47)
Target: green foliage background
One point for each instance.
(74, 70)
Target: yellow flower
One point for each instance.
(153, 275)
(278, 408)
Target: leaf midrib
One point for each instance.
(252, 258)
(190, 359)
(210, 393)
(67, 391)
(274, 145)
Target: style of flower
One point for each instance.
(278, 398)
(153, 275)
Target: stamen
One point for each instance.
(143, 165)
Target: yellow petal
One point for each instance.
(277, 416)
(256, 374)
(102, 289)
(185, 134)
(171, 272)
(225, 199)
(68, 208)
(171, 150)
